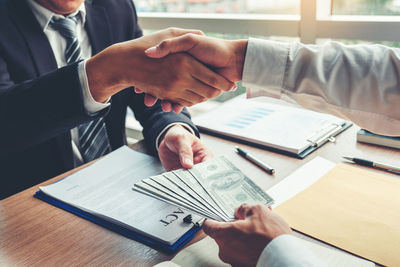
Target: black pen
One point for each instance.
(254, 160)
(372, 164)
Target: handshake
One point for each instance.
(179, 67)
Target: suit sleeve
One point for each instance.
(37, 110)
(287, 251)
(153, 119)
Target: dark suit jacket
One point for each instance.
(40, 104)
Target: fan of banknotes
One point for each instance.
(212, 189)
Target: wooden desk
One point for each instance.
(35, 233)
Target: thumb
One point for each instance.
(213, 228)
(185, 153)
(178, 44)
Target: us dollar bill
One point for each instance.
(200, 193)
(181, 190)
(228, 186)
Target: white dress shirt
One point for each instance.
(58, 45)
(285, 251)
(360, 83)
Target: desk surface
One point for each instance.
(33, 232)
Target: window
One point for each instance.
(220, 6)
(366, 7)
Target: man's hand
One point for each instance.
(224, 56)
(241, 242)
(181, 149)
(178, 78)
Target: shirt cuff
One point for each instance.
(264, 67)
(91, 105)
(184, 125)
(287, 250)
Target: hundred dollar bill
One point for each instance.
(180, 192)
(172, 202)
(154, 188)
(228, 186)
(202, 194)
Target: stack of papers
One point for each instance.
(212, 189)
(102, 194)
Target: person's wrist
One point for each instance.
(174, 127)
(240, 47)
(104, 79)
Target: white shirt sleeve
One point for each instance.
(287, 251)
(91, 105)
(360, 82)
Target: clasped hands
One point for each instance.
(224, 57)
(170, 74)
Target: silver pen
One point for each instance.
(254, 160)
(372, 164)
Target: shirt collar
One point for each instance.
(44, 16)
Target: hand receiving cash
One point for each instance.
(212, 189)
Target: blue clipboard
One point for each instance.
(170, 249)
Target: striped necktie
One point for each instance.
(93, 138)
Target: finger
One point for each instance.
(179, 31)
(185, 102)
(149, 100)
(202, 157)
(185, 152)
(214, 228)
(201, 152)
(242, 211)
(177, 108)
(138, 91)
(173, 45)
(211, 79)
(193, 97)
(166, 105)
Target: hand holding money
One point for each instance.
(256, 225)
(212, 189)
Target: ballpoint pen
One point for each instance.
(372, 164)
(254, 160)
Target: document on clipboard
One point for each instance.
(281, 128)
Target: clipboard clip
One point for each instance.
(327, 134)
(188, 219)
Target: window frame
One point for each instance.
(315, 21)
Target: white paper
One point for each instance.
(105, 189)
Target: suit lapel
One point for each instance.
(98, 27)
(36, 40)
(44, 60)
